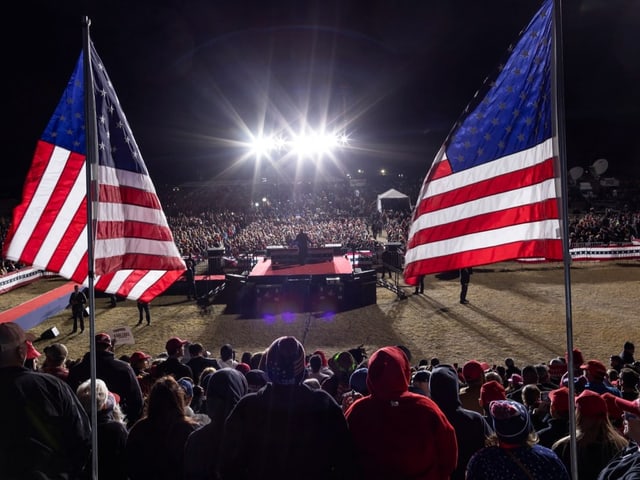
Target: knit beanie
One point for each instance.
(285, 361)
(510, 421)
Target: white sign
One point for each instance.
(122, 336)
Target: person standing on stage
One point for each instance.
(302, 240)
(191, 278)
(465, 278)
(143, 310)
(77, 301)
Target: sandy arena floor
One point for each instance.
(516, 310)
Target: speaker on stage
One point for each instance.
(49, 334)
(214, 256)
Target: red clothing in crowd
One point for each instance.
(399, 434)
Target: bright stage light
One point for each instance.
(303, 145)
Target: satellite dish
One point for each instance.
(575, 173)
(599, 167)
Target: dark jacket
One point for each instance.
(45, 429)
(155, 449)
(471, 427)
(112, 442)
(198, 364)
(202, 451)
(287, 431)
(119, 377)
(557, 428)
(625, 466)
(173, 366)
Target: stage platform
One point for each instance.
(323, 286)
(337, 265)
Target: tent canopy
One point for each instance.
(392, 199)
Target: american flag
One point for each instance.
(491, 193)
(135, 255)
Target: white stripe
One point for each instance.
(141, 286)
(545, 229)
(511, 163)
(63, 219)
(38, 203)
(75, 255)
(515, 198)
(120, 212)
(120, 246)
(116, 178)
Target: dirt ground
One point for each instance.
(515, 310)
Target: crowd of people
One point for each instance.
(286, 413)
(337, 213)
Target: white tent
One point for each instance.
(392, 199)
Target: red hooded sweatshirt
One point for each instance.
(399, 434)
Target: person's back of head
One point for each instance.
(226, 352)
(629, 379)
(285, 361)
(444, 387)
(530, 395)
(166, 400)
(196, 349)
(543, 373)
(56, 355)
(388, 373)
(530, 375)
(315, 362)
(13, 344)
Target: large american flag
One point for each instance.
(135, 255)
(491, 193)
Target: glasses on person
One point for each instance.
(629, 416)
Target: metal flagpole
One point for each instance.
(560, 148)
(92, 196)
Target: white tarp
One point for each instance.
(392, 198)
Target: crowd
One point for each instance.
(286, 413)
(231, 218)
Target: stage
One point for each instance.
(275, 285)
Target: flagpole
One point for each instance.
(560, 148)
(92, 196)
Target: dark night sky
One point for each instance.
(190, 73)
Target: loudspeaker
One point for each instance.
(49, 334)
(214, 257)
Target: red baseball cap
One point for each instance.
(174, 343)
(137, 356)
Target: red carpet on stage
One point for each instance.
(338, 266)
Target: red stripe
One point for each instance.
(70, 237)
(34, 175)
(550, 249)
(64, 185)
(443, 169)
(130, 229)
(485, 222)
(502, 183)
(138, 262)
(82, 270)
(127, 285)
(129, 195)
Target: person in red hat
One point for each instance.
(173, 364)
(626, 465)
(597, 440)
(32, 356)
(558, 421)
(596, 375)
(139, 361)
(473, 374)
